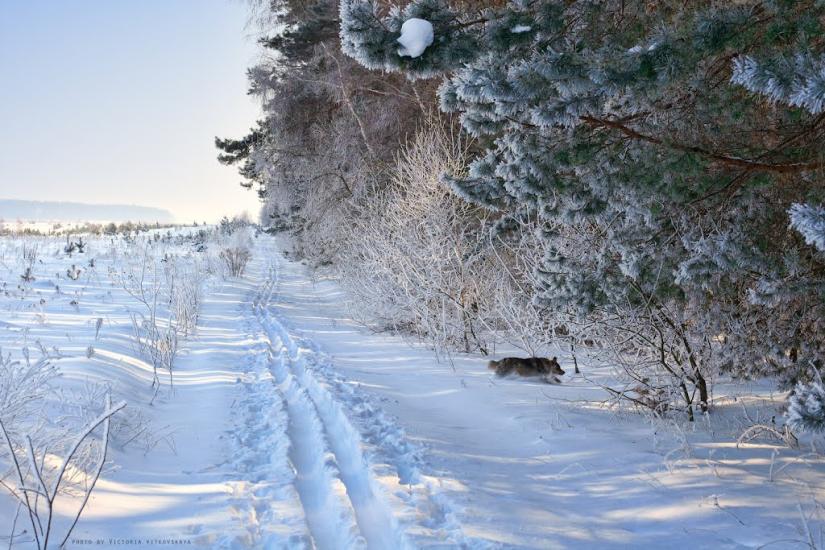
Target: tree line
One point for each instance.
(640, 183)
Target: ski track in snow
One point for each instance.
(295, 413)
(260, 452)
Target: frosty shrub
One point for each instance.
(22, 386)
(235, 258)
(157, 340)
(508, 308)
(73, 272)
(28, 253)
(415, 247)
(184, 279)
(154, 330)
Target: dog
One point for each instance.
(530, 366)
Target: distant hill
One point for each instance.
(12, 210)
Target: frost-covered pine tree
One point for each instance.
(640, 134)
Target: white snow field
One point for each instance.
(290, 426)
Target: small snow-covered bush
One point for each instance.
(21, 386)
(73, 272)
(27, 276)
(29, 257)
(413, 253)
(184, 284)
(236, 259)
(507, 306)
(29, 254)
(154, 330)
(236, 253)
(74, 246)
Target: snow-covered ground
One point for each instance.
(290, 426)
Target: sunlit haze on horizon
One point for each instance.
(120, 102)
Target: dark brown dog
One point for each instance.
(530, 366)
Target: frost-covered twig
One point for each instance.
(98, 470)
(50, 494)
(757, 430)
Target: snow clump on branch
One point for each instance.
(416, 35)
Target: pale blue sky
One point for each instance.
(119, 101)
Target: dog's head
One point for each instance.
(551, 366)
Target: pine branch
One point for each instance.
(756, 165)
